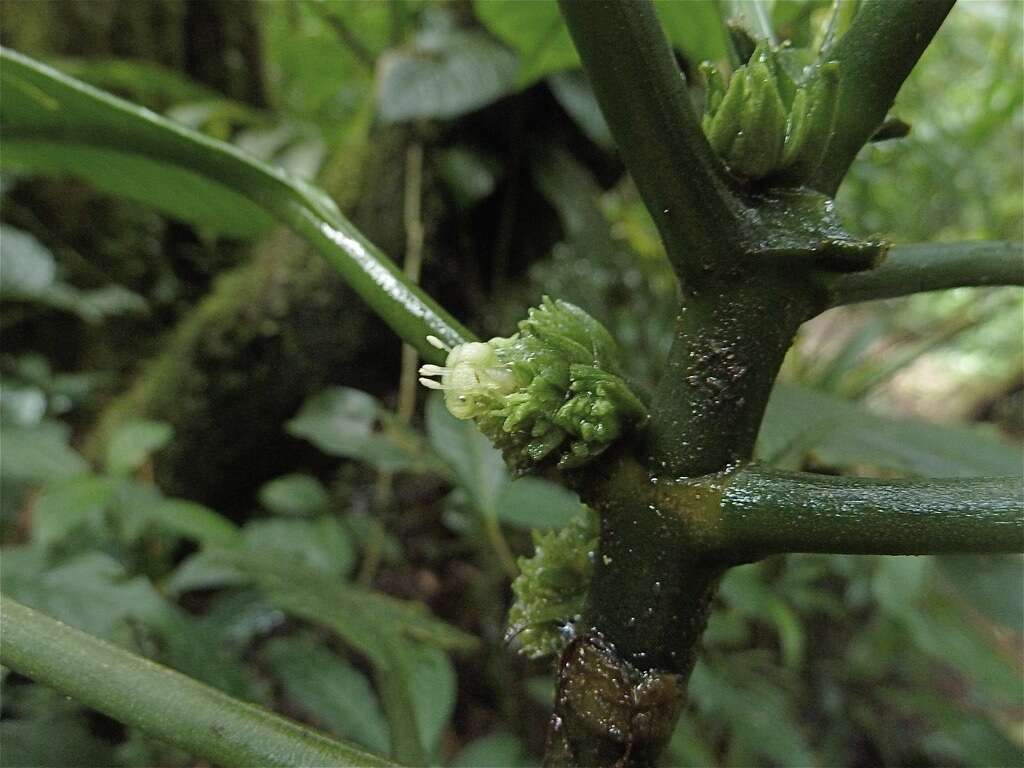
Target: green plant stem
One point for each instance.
(884, 42)
(932, 267)
(765, 512)
(44, 110)
(643, 96)
(729, 344)
(159, 701)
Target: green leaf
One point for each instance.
(496, 750)
(190, 520)
(576, 97)
(298, 495)
(329, 690)
(133, 442)
(54, 124)
(531, 502)
(63, 508)
(431, 682)
(477, 465)
(27, 268)
(838, 433)
(341, 421)
(39, 453)
(447, 73)
(174, 191)
(321, 544)
(535, 31)
(94, 593)
(990, 584)
(58, 738)
(695, 27)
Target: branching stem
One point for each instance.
(931, 267)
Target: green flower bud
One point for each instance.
(552, 586)
(551, 391)
(766, 124)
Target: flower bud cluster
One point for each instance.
(550, 392)
(766, 123)
(552, 586)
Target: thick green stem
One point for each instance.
(47, 114)
(765, 512)
(159, 701)
(643, 95)
(875, 56)
(727, 351)
(931, 267)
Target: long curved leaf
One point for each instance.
(54, 124)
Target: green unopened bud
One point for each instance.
(552, 585)
(766, 124)
(551, 391)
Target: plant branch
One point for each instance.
(163, 703)
(875, 57)
(44, 113)
(765, 512)
(643, 96)
(931, 267)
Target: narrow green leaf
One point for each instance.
(46, 115)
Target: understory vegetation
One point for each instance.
(217, 457)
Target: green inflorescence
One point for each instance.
(551, 391)
(768, 124)
(552, 585)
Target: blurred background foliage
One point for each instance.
(207, 457)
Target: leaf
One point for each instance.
(133, 442)
(991, 584)
(447, 73)
(27, 268)
(838, 433)
(535, 31)
(93, 593)
(54, 124)
(39, 453)
(297, 495)
(329, 690)
(321, 544)
(341, 421)
(61, 738)
(695, 27)
(432, 687)
(531, 502)
(496, 750)
(574, 94)
(191, 520)
(477, 465)
(174, 191)
(63, 508)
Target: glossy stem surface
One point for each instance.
(877, 53)
(644, 98)
(72, 113)
(766, 512)
(161, 702)
(931, 267)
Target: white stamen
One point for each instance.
(436, 343)
(432, 370)
(431, 384)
